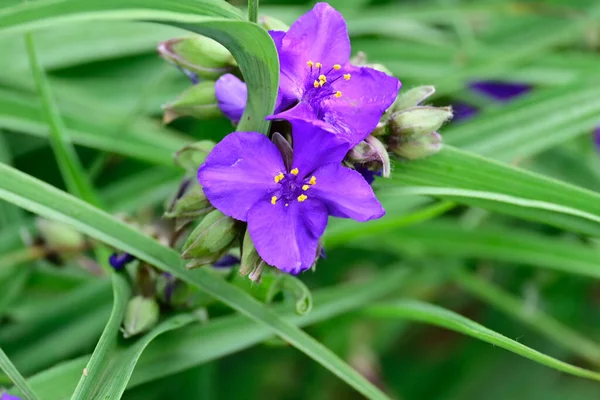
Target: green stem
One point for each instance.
(253, 10)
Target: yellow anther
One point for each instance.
(321, 83)
(286, 204)
(278, 177)
(318, 65)
(294, 171)
(338, 94)
(273, 199)
(305, 187)
(347, 77)
(313, 180)
(322, 78)
(317, 84)
(302, 197)
(310, 63)
(337, 67)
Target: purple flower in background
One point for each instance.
(597, 137)
(119, 260)
(501, 91)
(6, 396)
(367, 173)
(463, 111)
(287, 200)
(231, 95)
(317, 81)
(228, 260)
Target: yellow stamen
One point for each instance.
(273, 200)
(338, 94)
(278, 177)
(337, 67)
(317, 84)
(302, 197)
(318, 65)
(310, 63)
(294, 171)
(322, 78)
(286, 204)
(313, 180)
(321, 83)
(305, 187)
(347, 77)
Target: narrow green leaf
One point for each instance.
(16, 377)
(42, 199)
(535, 318)
(414, 310)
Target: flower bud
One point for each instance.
(251, 263)
(193, 155)
(418, 147)
(198, 101)
(419, 121)
(191, 204)
(370, 154)
(411, 98)
(213, 236)
(198, 54)
(59, 237)
(140, 316)
(272, 24)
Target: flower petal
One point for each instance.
(240, 171)
(501, 91)
(314, 145)
(231, 95)
(364, 98)
(346, 193)
(287, 237)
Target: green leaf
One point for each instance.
(16, 377)
(42, 199)
(195, 344)
(251, 46)
(469, 179)
(535, 318)
(418, 311)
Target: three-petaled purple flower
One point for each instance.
(285, 200)
(317, 81)
(6, 396)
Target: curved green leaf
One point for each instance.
(251, 45)
(40, 198)
(414, 310)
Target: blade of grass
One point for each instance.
(414, 310)
(16, 377)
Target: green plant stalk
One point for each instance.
(12, 372)
(71, 170)
(253, 10)
(537, 320)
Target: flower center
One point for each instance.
(320, 84)
(292, 187)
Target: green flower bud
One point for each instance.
(191, 204)
(418, 147)
(193, 155)
(59, 237)
(199, 55)
(411, 98)
(272, 24)
(251, 263)
(419, 121)
(213, 236)
(140, 316)
(370, 153)
(198, 101)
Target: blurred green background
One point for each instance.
(521, 277)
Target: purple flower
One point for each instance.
(228, 260)
(287, 201)
(6, 396)
(367, 173)
(119, 260)
(231, 96)
(317, 81)
(501, 91)
(597, 137)
(463, 111)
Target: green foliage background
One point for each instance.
(481, 281)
